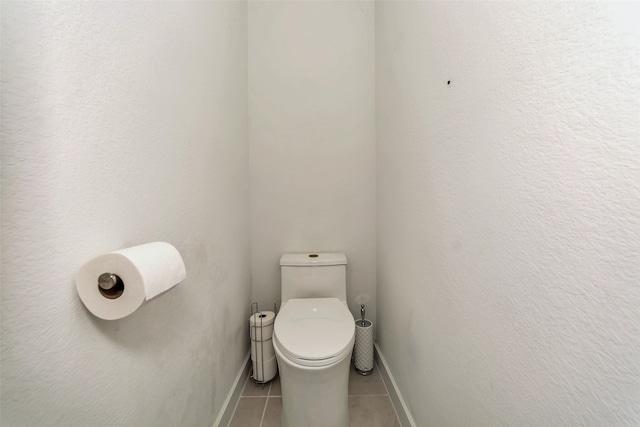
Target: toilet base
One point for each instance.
(314, 396)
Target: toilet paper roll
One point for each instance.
(262, 349)
(263, 372)
(261, 325)
(143, 272)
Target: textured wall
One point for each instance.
(508, 211)
(122, 123)
(311, 111)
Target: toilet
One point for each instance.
(313, 338)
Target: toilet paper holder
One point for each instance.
(363, 346)
(115, 284)
(261, 341)
(362, 322)
(110, 285)
(107, 281)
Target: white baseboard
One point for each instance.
(229, 406)
(404, 416)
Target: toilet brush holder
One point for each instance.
(363, 351)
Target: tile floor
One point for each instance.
(369, 403)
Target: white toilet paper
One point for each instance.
(262, 350)
(261, 325)
(263, 355)
(146, 271)
(264, 371)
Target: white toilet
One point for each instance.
(313, 339)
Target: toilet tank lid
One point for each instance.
(314, 258)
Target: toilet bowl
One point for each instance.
(313, 339)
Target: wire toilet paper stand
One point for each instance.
(261, 342)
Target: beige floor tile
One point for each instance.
(273, 412)
(369, 405)
(275, 387)
(249, 412)
(360, 385)
(372, 411)
(253, 389)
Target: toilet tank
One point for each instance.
(313, 275)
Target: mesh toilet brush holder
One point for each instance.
(364, 345)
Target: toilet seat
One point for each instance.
(314, 332)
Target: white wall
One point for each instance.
(122, 123)
(508, 211)
(311, 112)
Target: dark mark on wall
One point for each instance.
(448, 81)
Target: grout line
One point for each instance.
(266, 403)
(368, 395)
(250, 381)
(264, 411)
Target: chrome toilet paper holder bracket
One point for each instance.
(362, 322)
(110, 285)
